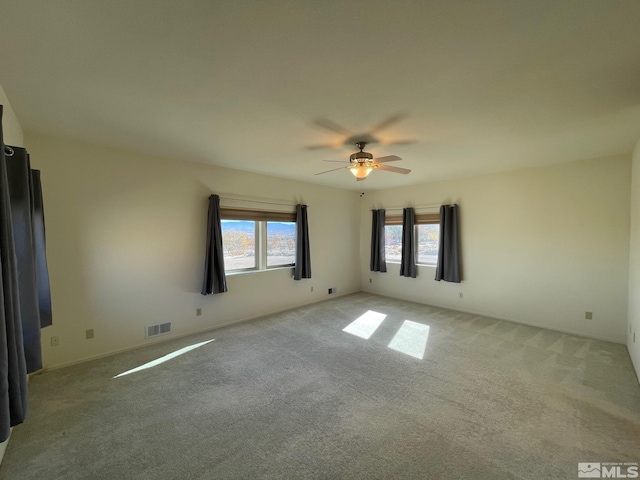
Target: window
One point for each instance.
(281, 243)
(257, 240)
(239, 244)
(427, 243)
(393, 243)
(427, 238)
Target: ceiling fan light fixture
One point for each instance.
(361, 171)
(362, 163)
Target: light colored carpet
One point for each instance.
(294, 396)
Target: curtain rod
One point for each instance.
(241, 199)
(421, 207)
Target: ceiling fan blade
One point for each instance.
(337, 161)
(333, 126)
(398, 142)
(323, 146)
(332, 170)
(404, 171)
(388, 122)
(388, 158)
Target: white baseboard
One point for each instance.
(3, 446)
(488, 315)
(167, 338)
(234, 322)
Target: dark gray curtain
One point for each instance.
(408, 260)
(42, 271)
(378, 262)
(215, 280)
(448, 268)
(13, 370)
(21, 194)
(303, 254)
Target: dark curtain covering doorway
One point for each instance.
(42, 270)
(22, 197)
(25, 300)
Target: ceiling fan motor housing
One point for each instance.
(360, 157)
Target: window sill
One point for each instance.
(432, 265)
(247, 272)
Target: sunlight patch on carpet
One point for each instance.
(411, 339)
(365, 324)
(167, 357)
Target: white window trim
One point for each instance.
(434, 264)
(415, 235)
(260, 252)
(245, 271)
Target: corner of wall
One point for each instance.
(633, 323)
(12, 130)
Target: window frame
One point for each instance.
(416, 243)
(386, 259)
(265, 245)
(260, 219)
(420, 219)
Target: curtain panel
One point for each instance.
(378, 261)
(408, 259)
(448, 268)
(302, 267)
(13, 368)
(22, 196)
(215, 280)
(39, 237)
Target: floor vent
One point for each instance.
(158, 329)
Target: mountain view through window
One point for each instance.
(239, 239)
(427, 239)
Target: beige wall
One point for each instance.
(126, 233)
(539, 246)
(11, 128)
(633, 326)
(125, 245)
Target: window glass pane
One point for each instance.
(281, 243)
(428, 240)
(393, 243)
(239, 244)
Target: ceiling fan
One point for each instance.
(349, 137)
(362, 163)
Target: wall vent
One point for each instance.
(158, 329)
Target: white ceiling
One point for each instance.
(485, 86)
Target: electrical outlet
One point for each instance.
(460, 295)
(588, 315)
(332, 290)
(312, 289)
(89, 333)
(55, 341)
(198, 312)
(371, 280)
